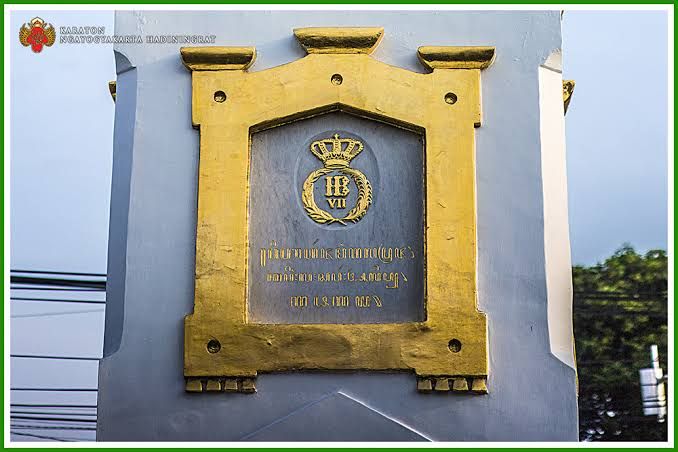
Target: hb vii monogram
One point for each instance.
(336, 186)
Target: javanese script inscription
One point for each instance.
(375, 275)
(351, 277)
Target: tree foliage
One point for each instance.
(620, 309)
(625, 271)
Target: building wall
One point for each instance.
(152, 248)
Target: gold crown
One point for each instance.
(37, 22)
(343, 151)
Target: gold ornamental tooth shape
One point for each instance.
(337, 158)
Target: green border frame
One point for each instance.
(273, 3)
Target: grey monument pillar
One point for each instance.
(523, 263)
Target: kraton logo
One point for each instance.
(37, 33)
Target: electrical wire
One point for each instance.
(53, 413)
(39, 405)
(56, 389)
(56, 419)
(49, 427)
(32, 435)
(58, 300)
(49, 314)
(77, 358)
(52, 272)
(66, 289)
(61, 282)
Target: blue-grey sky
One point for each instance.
(616, 130)
(60, 148)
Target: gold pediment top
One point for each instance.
(339, 39)
(456, 57)
(216, 58)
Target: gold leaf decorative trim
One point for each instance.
(220, 384)
(456, 385)
(111, 88)
(441, 384)
(568, 90)
(218, 58)
(339, 39)
(447, 57)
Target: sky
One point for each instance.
(61, 153)
(61, 146)
(616, 130)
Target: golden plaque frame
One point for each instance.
(447, 351)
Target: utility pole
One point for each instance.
(652, 388)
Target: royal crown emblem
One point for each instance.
(37, 34)
(336, 154)
(342, 152)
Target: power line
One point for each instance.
(38, 405)
(57, 419)
(79, 358)
(52, 413)
(43, 416)
(39, 436)
(51, 272)
(49, 427)
(62, 282)
(68, 289)
(48, 314)
(56, 389)
(58, 300)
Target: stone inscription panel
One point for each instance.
(336, 223)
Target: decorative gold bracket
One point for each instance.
(223, 352)
(568, 90)
(456, 57)
(112, 85)
(339, 40)
(218, 58)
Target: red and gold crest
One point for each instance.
(37, 33)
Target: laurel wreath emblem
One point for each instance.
(322, 217)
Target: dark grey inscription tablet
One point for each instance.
(336, 223)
